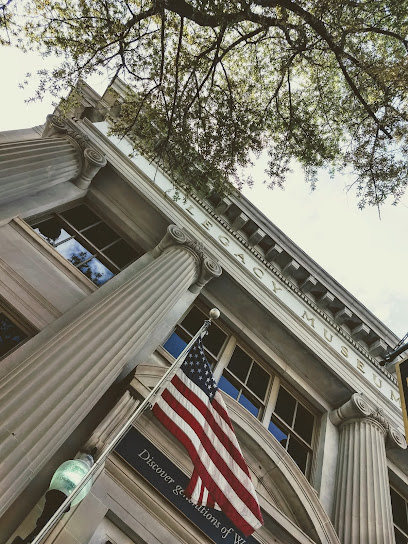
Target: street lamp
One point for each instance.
(65, 479)
(69, 474)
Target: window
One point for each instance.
(249, 382)
(213, 342)
(13, 331)
(246, 381)
(92, 246)
(292, 425)
(400, 516)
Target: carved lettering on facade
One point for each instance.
(287, 297)
(275, 288)
(326, 335)
(311, 320)
(207, 224)
(344, 351)
(377, 381)
(395, 397)
(360, 366)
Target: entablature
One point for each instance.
(310, 318)
(252, 228)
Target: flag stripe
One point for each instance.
(192, 408)
(210, 451)
(225, 460)
(231, 512)
(190, 391)
(213, 465)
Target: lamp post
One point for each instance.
(64, 481)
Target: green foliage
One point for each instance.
(215, 82)
(6, 17)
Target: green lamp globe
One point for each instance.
(69, 474)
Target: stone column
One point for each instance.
(61, 154)
(117, 417)
(363, 512)
(45, 395)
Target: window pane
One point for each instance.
(258, 380)
(80, 217)
(227, 386)
(215, 338)
(239, 364)
(101, 235)
(175, 345)
(285, 406)
(74, 252)
(194, 320)
(304, 423)
(121, 253)
(96, 271)
(250, 406)
(275, 429)
(51, 231)
(10, 335)
(399, 510)
(400, 538)
(298, 452)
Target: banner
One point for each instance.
(159, 471)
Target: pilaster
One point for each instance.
(49, 391)
(363, 513)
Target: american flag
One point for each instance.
(193, 410)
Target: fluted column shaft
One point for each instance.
(45, 397)
(363, 509)
(29, 166)
(363, 513)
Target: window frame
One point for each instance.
(87, 244)
(272, 390)
(17, 319)
(271, 397)
(244, 387)
(405, 499)
(290, 429)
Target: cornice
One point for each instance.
(295, 289)
(362, 324)
(208, 210)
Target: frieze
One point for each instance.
(313, 317)
(279, 286)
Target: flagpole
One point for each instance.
(213, 314)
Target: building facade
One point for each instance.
(104, 277)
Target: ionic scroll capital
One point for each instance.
(92, 160)
(358, 407)
(207, 268)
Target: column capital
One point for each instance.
(92, 159)
(207, 267)
(358, 407)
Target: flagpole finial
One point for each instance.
(214, 313)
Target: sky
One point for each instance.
(364, 253)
